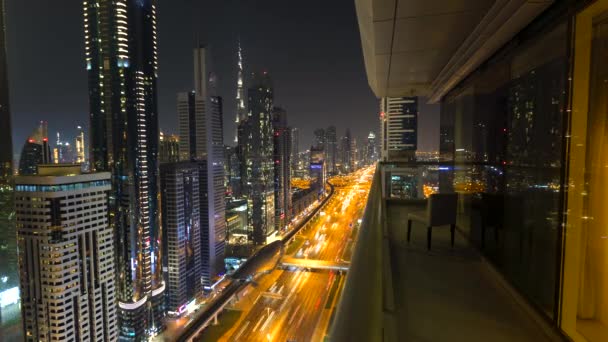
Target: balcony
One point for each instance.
(400, 291)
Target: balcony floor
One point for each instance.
(448, 294)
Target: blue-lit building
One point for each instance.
(317, 169)
(182, 264)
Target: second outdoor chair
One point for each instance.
(440, 211)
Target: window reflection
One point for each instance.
(503, 129)
(586, 271)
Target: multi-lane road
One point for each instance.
(295, 304)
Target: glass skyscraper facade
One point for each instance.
(35, 151)
(200, 114)
(331, 149)
(256, 151)
(282, 167)
(182, 262)
(121, 63)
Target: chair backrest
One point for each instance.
(492, 208)
(441, 209)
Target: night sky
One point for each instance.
(311, 49)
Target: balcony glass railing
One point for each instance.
(488, 194)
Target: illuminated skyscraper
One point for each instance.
(66, 260)
(295, 149)
(181, 233)
(241, 111)
(213, 207)
(282, 167)
(347, 152)
(232, 173)
(121, 61)
(371, 150)
(63, 152)
(35, 151)
(9, 280)
(317, 169)
(256, 152)
(201, 139)
(331, 147)
(168, 149)
(319, 139)
(80, 147)
(398, 127)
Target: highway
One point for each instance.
(293, 304)
(264, 261)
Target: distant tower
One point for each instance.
(317, 169)
(319, 139)
(66, 260)
(35, 151)
(347, 152)
(168, 148)
(256, 152)
(201, 139)
(62, 152)
(241, 111)
(295, 150)
(181, 230)
(331, 149)
(398, 131)
(213, 207)
(80, 147)
(371, 151)
(282, 167)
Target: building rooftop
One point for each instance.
(49, 174)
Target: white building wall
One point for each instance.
(66, 258)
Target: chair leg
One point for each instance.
(453, 230)
(409, 230)
(428, 237)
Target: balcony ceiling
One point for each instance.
(423, 47)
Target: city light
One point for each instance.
(9, 297)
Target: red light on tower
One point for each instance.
(382, 115)
(45, 139)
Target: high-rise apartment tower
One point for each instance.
(256, 151)
(68, 290)
(202, 140)
(122, 68)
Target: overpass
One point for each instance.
(315, 264)
(263, 261)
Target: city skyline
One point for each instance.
(196, 170)
(334, 63)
